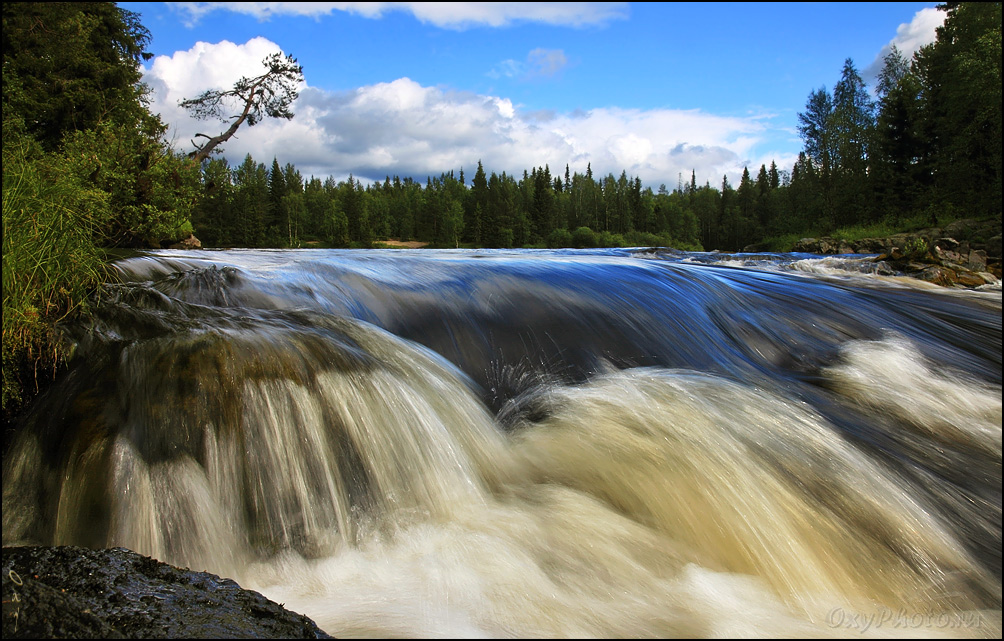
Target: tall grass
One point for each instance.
(50, 262)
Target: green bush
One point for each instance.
(584, 238)
(50, 262)
(559, 238)
(916, 248)
(506, 238)
(780, 243)
(645, 239)
(152, 191)
(606, 239)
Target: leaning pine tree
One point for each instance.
(270, 94)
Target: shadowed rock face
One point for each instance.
(72, 592)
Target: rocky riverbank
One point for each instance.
(966, 253)
(77, 593)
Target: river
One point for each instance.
(536, 443)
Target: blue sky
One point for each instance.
(415, 89)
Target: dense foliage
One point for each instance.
(929, 146)
(49, 258)
(85, 167)
(69, 66)
(71, 82)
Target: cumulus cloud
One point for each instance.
(447, 15)
(910, 37)
(187, 74)
(403, 128)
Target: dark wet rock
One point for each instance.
(975, 232)
(755, 248)
(994, 247)
(945, 268)
(825, 245)
(72, 592)
(871, 246)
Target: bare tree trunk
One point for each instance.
(203, 152)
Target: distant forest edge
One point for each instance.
(927, 151)
(86, 167)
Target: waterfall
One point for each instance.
(554, 444)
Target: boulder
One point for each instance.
(71, 592)
(993, 248)
(188, 243)
(823, 245)
(871, 246)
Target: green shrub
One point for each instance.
(559, 238)
(506, 238)
(584, 238)
(606, 239)
(50, 262)
(780, 243)
(151, 190)
(916, 248)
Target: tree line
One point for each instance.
(254, 205)
(923, 148)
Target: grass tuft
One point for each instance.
(50, 262)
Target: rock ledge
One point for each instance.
(966, 253)
(70, 592)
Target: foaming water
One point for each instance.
(534, 444)
(659, 503)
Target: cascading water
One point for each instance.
(535, 443)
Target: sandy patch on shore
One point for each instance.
(394, 242)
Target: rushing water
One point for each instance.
(537, 443)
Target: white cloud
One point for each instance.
(447, 15)
(910, 37)
(187, 74)
(207, 66)
(539, 63)
(508, 68)
(919, 32)
(546, 62)
(406, 129)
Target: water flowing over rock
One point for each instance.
(522, 443)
